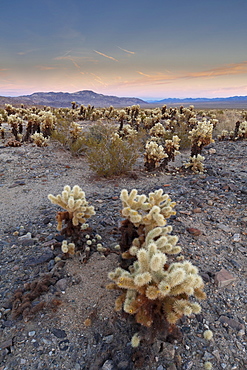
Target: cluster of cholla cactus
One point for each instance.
(159, 152)
(154, 288)
(77, 210)
(239, 132)
(25, 122)
(196, 163)
(200, 136)
(153, 155)
(242, 131)
(72, 221)
(39, 139)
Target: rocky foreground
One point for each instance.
(77, 327)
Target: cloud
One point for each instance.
(161, 78)
(26, 52)
(144, 74)
(106, 56)
(44, 68)
(98, 79)
(127, 51)
(227, 69)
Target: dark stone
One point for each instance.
(51, 264)
(34, 261)
(63, 345)
(59, 238)
(46, 220)
(59, 333)
(186, 329)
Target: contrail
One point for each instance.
(106, 56)
(127, 51)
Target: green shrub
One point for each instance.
(107, 153)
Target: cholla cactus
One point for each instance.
(68, 247)
(242, 131)
(158, 130)
(127, 132)
(48, 121)
(15, 122)
(39, 139)
(75, 131)
(200, 136)
(153, 155)
(2, 132)
(154, 289)
(77, 208)
(171, 148)
(1, 119)
(195, 164)
(151, 211)
(223, 136)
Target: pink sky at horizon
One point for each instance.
(157, 50)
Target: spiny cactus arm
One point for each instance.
(57, 200)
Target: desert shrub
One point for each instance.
(108, 154)
(70, 135)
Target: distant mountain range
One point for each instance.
(85, 97)
(60, 99)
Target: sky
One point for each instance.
(150, 49)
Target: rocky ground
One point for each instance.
(78, 328)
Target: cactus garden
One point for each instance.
(123, 237)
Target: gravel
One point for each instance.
(83, 331)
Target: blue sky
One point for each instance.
(148, 49)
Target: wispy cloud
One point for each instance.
(144, 74)
(98, 79)
(161, 78)
(126, 51)
(227, 69)
(26, 52)
(44, 68)
(106, 56)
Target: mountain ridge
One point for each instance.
(85, 97)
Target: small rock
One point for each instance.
(212, 151)
(62, 284)
(26, 236)
(59, 333)
(197, 210)
(187, 365)
(236, 238)
(160, 367)
(108, 365)
(234, 324)
(108, 339)
(31, 333)
(64, 345)
(205, 277)
(216, 354)
(225, 228)
(207, 356)
(194, 231)
(224, 278)
(46, 220)
(6, 344)
(33, 261)
(241, 333)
